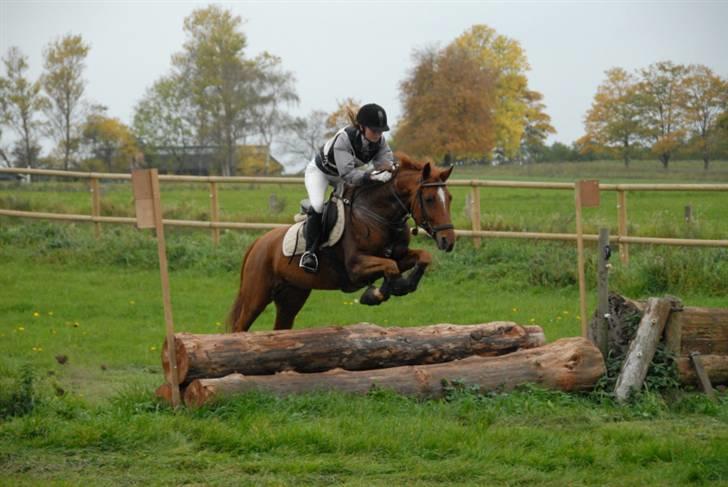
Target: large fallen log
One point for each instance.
(570, 364)
(356, 347)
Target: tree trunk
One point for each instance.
(570, 364)
(665, 159)
(643, 347)
(356, 347)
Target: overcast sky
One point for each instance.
(363, 49)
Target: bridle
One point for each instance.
(424, 222)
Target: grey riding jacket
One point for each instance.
(351, 152)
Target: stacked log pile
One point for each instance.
(683, 330)
(414, 360)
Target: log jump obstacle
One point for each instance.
(417, 361)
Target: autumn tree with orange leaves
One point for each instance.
(448, 100)
(471, 99)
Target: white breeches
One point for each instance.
(316, 185)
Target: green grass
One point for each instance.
(93, 420)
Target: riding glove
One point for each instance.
(380, 176)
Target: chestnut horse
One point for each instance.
(375, 244)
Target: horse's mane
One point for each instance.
(407, 163)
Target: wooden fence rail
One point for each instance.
(475, 232)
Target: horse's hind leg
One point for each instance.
(253, 300)
(289, 301)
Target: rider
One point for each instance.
(344, 158)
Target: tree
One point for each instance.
(661, 94)
(218, 78)
(537, 127)
(64, 85)
(448, 106)
(613, 121)
(22, 102)
(165, 120)
(506, 61)
(307, 135)
(108, 144)
(273, 88)
(706, 97)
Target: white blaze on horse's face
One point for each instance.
(441, 194)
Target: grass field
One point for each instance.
(93, 420)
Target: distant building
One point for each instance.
(252, 160)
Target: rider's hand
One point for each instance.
(380, 176)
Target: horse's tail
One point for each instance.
(237, 308)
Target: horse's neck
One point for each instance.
(388, 199)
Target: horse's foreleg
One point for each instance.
(366, 265)
(419, 259)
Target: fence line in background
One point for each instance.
(622, 239)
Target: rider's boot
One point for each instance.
(312, 233)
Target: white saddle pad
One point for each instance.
(294, 242)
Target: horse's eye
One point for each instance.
(429, 200)
(449, 197)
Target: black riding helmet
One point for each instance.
(373, 116)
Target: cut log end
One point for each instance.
(183, 362)
(198, 394)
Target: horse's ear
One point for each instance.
(446, 173)
(426, 170)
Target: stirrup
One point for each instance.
(311, 267)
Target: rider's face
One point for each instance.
(372, 135)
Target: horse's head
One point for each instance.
(430, 199)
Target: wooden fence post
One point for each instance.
(586, 195)
(475, 212)
(580, 259)
(214, 212)
(96, 204)
(622, 229)
(149, 215)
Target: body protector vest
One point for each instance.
(325, 156)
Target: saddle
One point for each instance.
(294, 242)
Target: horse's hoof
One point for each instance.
(371, 297)
(399, 287)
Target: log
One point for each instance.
(716, 366)
(643, 347)
(356, 347)
(570, 364)
(694, 329)
(689, 328)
